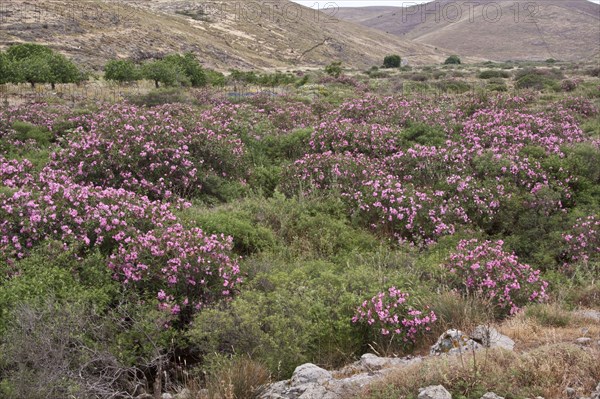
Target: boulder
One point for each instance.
(453, 342)
(434, 392)
(370, 362)
(489, 337)
(309, 374)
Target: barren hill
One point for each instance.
(497, 30)
(224, 34)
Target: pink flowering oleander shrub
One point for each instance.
(486, 271)
(185, 269)
(79, 215)
(327, 171)
(15, 174)
(396, 112)
(508, 131)
(38, 114)
(157, 152)
(578, 105)
(583, 241)
(344, 135)
(393, 315)
(408, 212)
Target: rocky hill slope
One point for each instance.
(223, 34)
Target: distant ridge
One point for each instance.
(494, 29)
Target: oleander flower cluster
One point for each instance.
(392, 313)
(157, 152)
(486, 271)
(185, 268)
(583, 241)
(418, 171)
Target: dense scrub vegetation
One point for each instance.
(144, 247)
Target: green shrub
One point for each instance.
(424, 134)
(311, 228)
(25, 131)
(170, 95)
(392, 61)
(248, 236)
(453, 86)
(538, 79)
(452, 60)
(293, 313)
(537, 82)
(52, 273)
(190, 67)
(334, 69)
(491, 73)
(214, 78)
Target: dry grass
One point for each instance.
(545, 361)
(240, 379)
(545, 371)
(530, 333)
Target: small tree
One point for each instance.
(161, 71)
(32, 70)
(4, 69)
(215, 78)
(334, 69)
(452, 60)
(392, 61)
(121, 71)
(33, 63)
(62, 70)
(19, 52)
(190, 67)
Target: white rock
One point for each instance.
(491, 338)
(309, 373)
(453, 342)
(434, 392)
(371, 362)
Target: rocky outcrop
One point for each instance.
(489, 337)
(434, 392)
(312, 382)
(455, 341)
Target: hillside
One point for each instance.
(498, 30)
(222, 34)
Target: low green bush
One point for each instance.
(248, 236)
(26, 131)
(293, 313)
(160, 96)
(491, 73)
